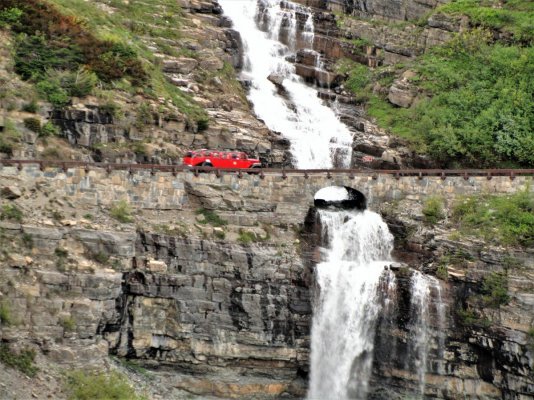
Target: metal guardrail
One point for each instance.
(174, 169)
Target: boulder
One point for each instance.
(181, 65)
(402, 93)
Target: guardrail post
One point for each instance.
(262, 175)
(239, 174)
(489, 176)
(86, 168)
(420, 176)
(41, 166)
(306, 176)
(466, 176)
(512, 175)
(196, 172)
(174, 172)
(217, 173)
(397, 176)
(443, 176)
(19, 166)
(284, 176)
(351, 175)
(328, 175)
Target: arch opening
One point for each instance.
(343, 197)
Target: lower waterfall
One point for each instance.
(355, 290)
(359, 246)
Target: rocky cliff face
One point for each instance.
(219, 303)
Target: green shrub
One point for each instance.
(470, 319)
(122, 212)
(68, 324)
(495, 289)
(246, 237)
(5, 314)
(101, 257)
(83, 385)
(10, 16)
(53, 92)
(442, 272)
(210, 217)
(433, 210)
(11, 212)
(33, 124)
(27, 240)
(31, 107)
(49, 129)
(61, 252)
(23, 360)
(359, 78)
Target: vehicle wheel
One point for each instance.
(206, 164)
(257, 168)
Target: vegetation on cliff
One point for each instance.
(474, 103)
(506, 220)
(69, 48)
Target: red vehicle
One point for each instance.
(220, 159)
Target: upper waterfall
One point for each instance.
(271, 33)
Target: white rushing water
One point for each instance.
(345, 316)
(422, 333)
(317, 136)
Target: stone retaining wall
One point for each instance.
(271, 196)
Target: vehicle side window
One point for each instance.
(189, 154)
(234, 156)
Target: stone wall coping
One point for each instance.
(153, 168)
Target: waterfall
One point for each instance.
(342, 340)
(423, 330)
(271, 34)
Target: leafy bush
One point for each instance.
(10, 212)
(27, 240)
(5, 314)
(49, 129)
(33, 124)
(100, 257)
(210, 217)
(68, 324)
(53, 40)
(246, 237)
(495, 289)
(505, 219)
(30, 107)
(433, 210)
(35, 54)
(23, 361)
(359, 78)
(83, 385)
(122, 212)
(61, 252)
(53, 92)
(10, 16)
